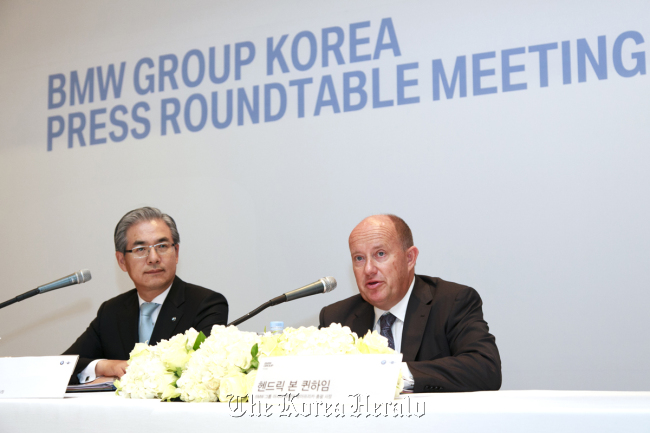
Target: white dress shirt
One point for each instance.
(399, 311)
(88, 374)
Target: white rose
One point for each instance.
(241, 359)
(233, 386)
(176, 358)
(169, 392)
(140, 349)
(191, 335)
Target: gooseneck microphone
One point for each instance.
(77, 278)
(324, 285)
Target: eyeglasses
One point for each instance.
(141, 252)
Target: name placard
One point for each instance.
(36, 376)
(327, 378)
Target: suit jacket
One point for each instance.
(114, 332)
(445, 340)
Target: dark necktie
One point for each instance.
(385, 323)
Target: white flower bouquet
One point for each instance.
(224, 365)
(154, 370)
(220, 366)
(333, 340)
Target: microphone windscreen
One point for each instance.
(330, 284)
(83, 276)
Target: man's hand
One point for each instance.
(111, 368)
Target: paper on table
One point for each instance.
(99, 384)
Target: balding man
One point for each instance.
(437, 325)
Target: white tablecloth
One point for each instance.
(501, 411)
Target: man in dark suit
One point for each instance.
(161, 305)
(438, 326)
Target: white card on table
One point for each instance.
(327, 378)
(36, 376)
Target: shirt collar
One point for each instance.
(158, 299)
(399, 309)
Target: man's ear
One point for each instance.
(120, 260)
(177, 247)
(412, 256)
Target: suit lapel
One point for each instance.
(363, 319)
(128, 320)
(170, 313)
(417, 314)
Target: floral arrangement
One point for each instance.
(219, 368)
(223, 366)
(334, 340)
(154, 370)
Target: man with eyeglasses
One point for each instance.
(161, 305)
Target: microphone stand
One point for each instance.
(275, 301)
(19, 298)
(77, 278)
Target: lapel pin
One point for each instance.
(173, 319)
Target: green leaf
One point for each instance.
(255, 361)
(200, 339)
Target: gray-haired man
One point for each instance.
(161, 305)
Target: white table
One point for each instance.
(501, 411)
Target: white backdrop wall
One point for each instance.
(532, 187)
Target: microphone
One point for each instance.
(77, 278)
(324, 285)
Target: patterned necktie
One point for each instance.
(145, 327)
(385, 323)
